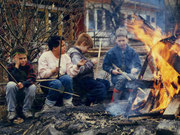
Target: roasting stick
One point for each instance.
(40, 85)
(44, 80)
(127, 77)
(99, 55)
(59, 90)
(9, 73)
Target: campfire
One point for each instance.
(164, 53)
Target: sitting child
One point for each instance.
(95, 90)
(22, 81)
(125, 58)
(48, 67)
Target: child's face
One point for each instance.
(63, 49)
(122, 41)
(21, 59)
(84, 49)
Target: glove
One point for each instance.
(134, 71)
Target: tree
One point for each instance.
(103, 18)
(173, 18)
(116, 14)
(29, 23)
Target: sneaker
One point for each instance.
(11, 115)
(68, 102)
(28, 114)
(44, 109)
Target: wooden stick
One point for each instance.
(59, 65)
(4, 83)
(25, 132)
(45, 129)
(44, 80)
(53, 89)
(127, 77)
(40, 85)
(59, 90)
(99, 55)
(8, 73)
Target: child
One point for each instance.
(95, 90)
(48, 67)
(24, 74)
(125, 58)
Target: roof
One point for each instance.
(157, 3)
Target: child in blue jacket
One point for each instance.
(123, 57)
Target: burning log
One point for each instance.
(173, 109)
(150, 114)
(171, 40)
(165, 53)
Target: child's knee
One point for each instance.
(32, 90)
(55, 84)
(68, 79)
(11, 86)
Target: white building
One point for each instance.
(98, 17)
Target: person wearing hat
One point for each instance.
(125, 58)
(22, 81)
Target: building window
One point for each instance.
(54, 19)
(91, 20)
(152, 19)
(148, 18)
(108, 19)
(99, 19)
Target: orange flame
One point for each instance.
(162, 55)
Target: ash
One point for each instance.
(82, 120)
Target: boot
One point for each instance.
(68, 102)
(116, 95)
(44, 109)
(28, 114)
(11, 115)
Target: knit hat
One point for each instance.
(121, 31)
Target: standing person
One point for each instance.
(48, 67)
(95, 90)
(125, 58)
(24, 76)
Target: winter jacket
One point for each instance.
(124, 60)
(24, 74)
(86, 70)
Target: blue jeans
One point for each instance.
(119, 81)
(11, 93)
(64, 83)
(96, 90)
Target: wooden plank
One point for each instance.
(150, 114)
(173, 108)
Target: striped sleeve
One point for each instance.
(31, 76)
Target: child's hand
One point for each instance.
(116, 72)
(16, 60)
(20, 85)
(55, 71)
(94, 60)
(81, 63)
(134, 70)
